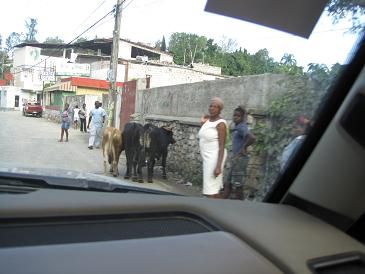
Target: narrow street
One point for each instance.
(31, 142)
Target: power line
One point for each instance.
(123, 8)
(69, 43)
(83, 22)
(127, 4)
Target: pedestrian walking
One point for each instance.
(212, 137)
(97, 119)
(65, 122)
(82, 116)
(242, 138)
(76, 116)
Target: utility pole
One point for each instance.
(114, 64)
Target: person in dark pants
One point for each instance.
(242, 138)
(82, 115)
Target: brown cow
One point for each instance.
(112, 147)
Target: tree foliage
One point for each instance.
(187, 47)
(31, 30)
(81, 39)
(54, 40)
(13, 39)
(163, 44)
(340, 9)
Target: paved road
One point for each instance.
(33, 142)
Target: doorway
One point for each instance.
(16, 101)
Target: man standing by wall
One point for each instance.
(242, 138)
(97, 117)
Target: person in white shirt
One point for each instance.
(97, 117)
(76, 116)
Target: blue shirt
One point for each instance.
(290, 150)
(97, 115)
(239, 137)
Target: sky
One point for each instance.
(148, 20)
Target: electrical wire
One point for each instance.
(112, 17)
(83, 22)
(69, 43)
(126, 6)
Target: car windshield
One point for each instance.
(208, 104)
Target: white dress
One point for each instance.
(209, 149)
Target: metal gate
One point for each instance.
(128, 102)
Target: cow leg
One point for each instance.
(135, 162)
(129, 164)
(141, 160)
(114, 162)
(110, 161)
(151, 164)
(135, 177)
(164, 156)
(105, 158)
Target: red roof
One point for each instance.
(90, 83)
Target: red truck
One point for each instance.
(34, 109)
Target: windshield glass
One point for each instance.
(208, 105)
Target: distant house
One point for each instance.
(55, 94)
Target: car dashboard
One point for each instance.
(63, 231)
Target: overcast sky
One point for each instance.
(148, 20)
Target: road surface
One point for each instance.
(32, 142)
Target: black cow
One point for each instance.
(156, 141)
(131, 143)
(145, 144)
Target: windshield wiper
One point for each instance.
(66, 183)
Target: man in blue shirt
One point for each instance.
(97, 117)
(242, 138)
(300, 129)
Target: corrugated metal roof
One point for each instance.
(71, 84)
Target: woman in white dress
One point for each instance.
(212, 137)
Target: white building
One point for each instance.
(33, 67)
(37, 64)
(137, 60)
(11, 98)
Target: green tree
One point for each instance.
(261, 62)
(187, 47)
(54, 40)
(5, 63)
(288, 65)
(340, 9)
(80, 40)
(13, 39)
(31, 25)
(158, 44)
(163, 44)
(228, 44)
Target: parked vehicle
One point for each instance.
(32, 108)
